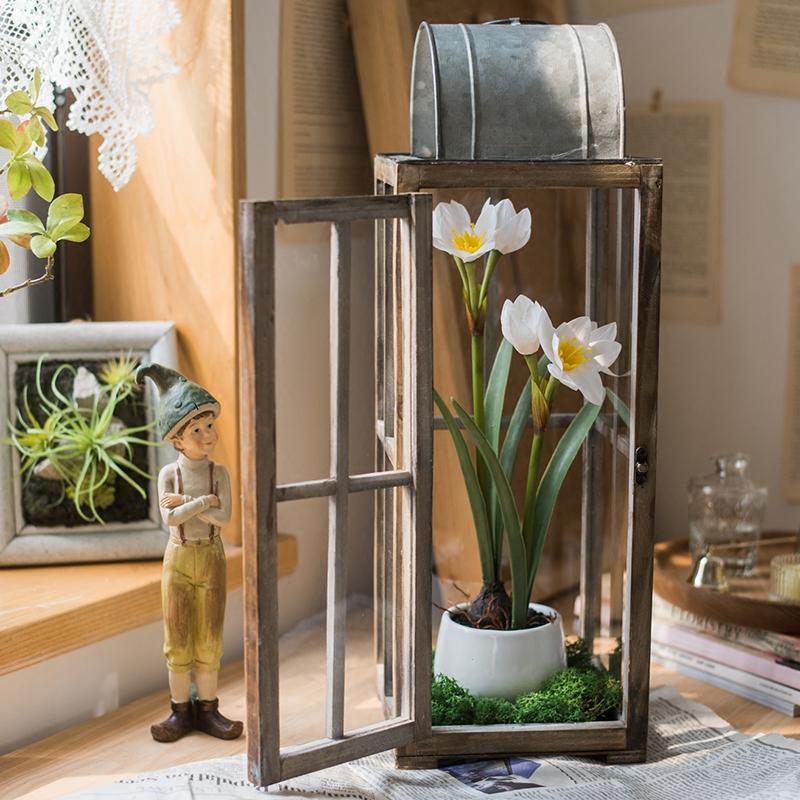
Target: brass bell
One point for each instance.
(709, 573)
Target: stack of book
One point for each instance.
(759, 665)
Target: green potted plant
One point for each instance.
(500, 644)
(23, 123)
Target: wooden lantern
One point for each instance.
(622, 278)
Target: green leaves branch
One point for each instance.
(25, 171)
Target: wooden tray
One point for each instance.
(747, 603)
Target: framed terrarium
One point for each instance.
(78, 463)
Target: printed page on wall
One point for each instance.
(791, 430)
(765, 56)
(323, 142)
(609, 8)
(688, 136)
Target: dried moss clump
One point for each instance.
(451, 704)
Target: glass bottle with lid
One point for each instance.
(727, 508)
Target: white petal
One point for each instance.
(561, 376)
(547, 336)
(580, 328)
(466, 256)
(519, 322)
(486, 224)
(606, 352)
(589, 384)
(513, 233)
(606, 332)
(504, 211)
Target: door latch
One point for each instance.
(641, 465)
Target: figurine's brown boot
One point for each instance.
(208, 720)
(176, 725)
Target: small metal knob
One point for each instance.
(641, 465)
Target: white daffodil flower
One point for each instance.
(513, 229)
(455, 233)
(521, 322)
(579, 351)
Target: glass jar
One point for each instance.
(727, 508)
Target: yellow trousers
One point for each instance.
(193, 600)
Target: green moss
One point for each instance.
(579, 693)
(450, 703)
(572, 695)
(494, 711)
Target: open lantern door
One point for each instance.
(404, 464)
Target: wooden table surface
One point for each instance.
(118, 744)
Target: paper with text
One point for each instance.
(688, 136)
(765, 51)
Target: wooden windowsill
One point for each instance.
(47, 611)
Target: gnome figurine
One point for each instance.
(195, 500)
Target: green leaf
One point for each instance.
(35, 86)
(43, 246)
(21, 222)
(42, 180)
(35, 131)
(516, 426)
(619, 406)
(19, 103)
(494, 399)
(19, 179)
(45, 114)
(508, 454)
(511, 526)
(476, 500)
(77, 233)
(9, 136)
(553, 478)
(65, 211)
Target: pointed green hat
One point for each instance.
(180, 399)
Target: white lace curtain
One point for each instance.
(108, 52)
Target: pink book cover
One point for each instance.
(735, 655)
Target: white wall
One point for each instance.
(722, 386)
(302, 345)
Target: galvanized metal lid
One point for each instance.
(516, 91)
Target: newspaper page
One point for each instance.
(765, 49)
(691, 753)
(610, 8)
(323, 142)
(791, 424)
(688, 137)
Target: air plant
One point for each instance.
(80, 441)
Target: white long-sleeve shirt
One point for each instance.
(195, 514)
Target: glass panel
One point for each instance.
(585, 543)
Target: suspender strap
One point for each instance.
(213, 487)
(179, 476)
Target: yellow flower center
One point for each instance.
(572, 353)
(469, 241)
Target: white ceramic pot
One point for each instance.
(500, 663)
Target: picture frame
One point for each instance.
(25, 544)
